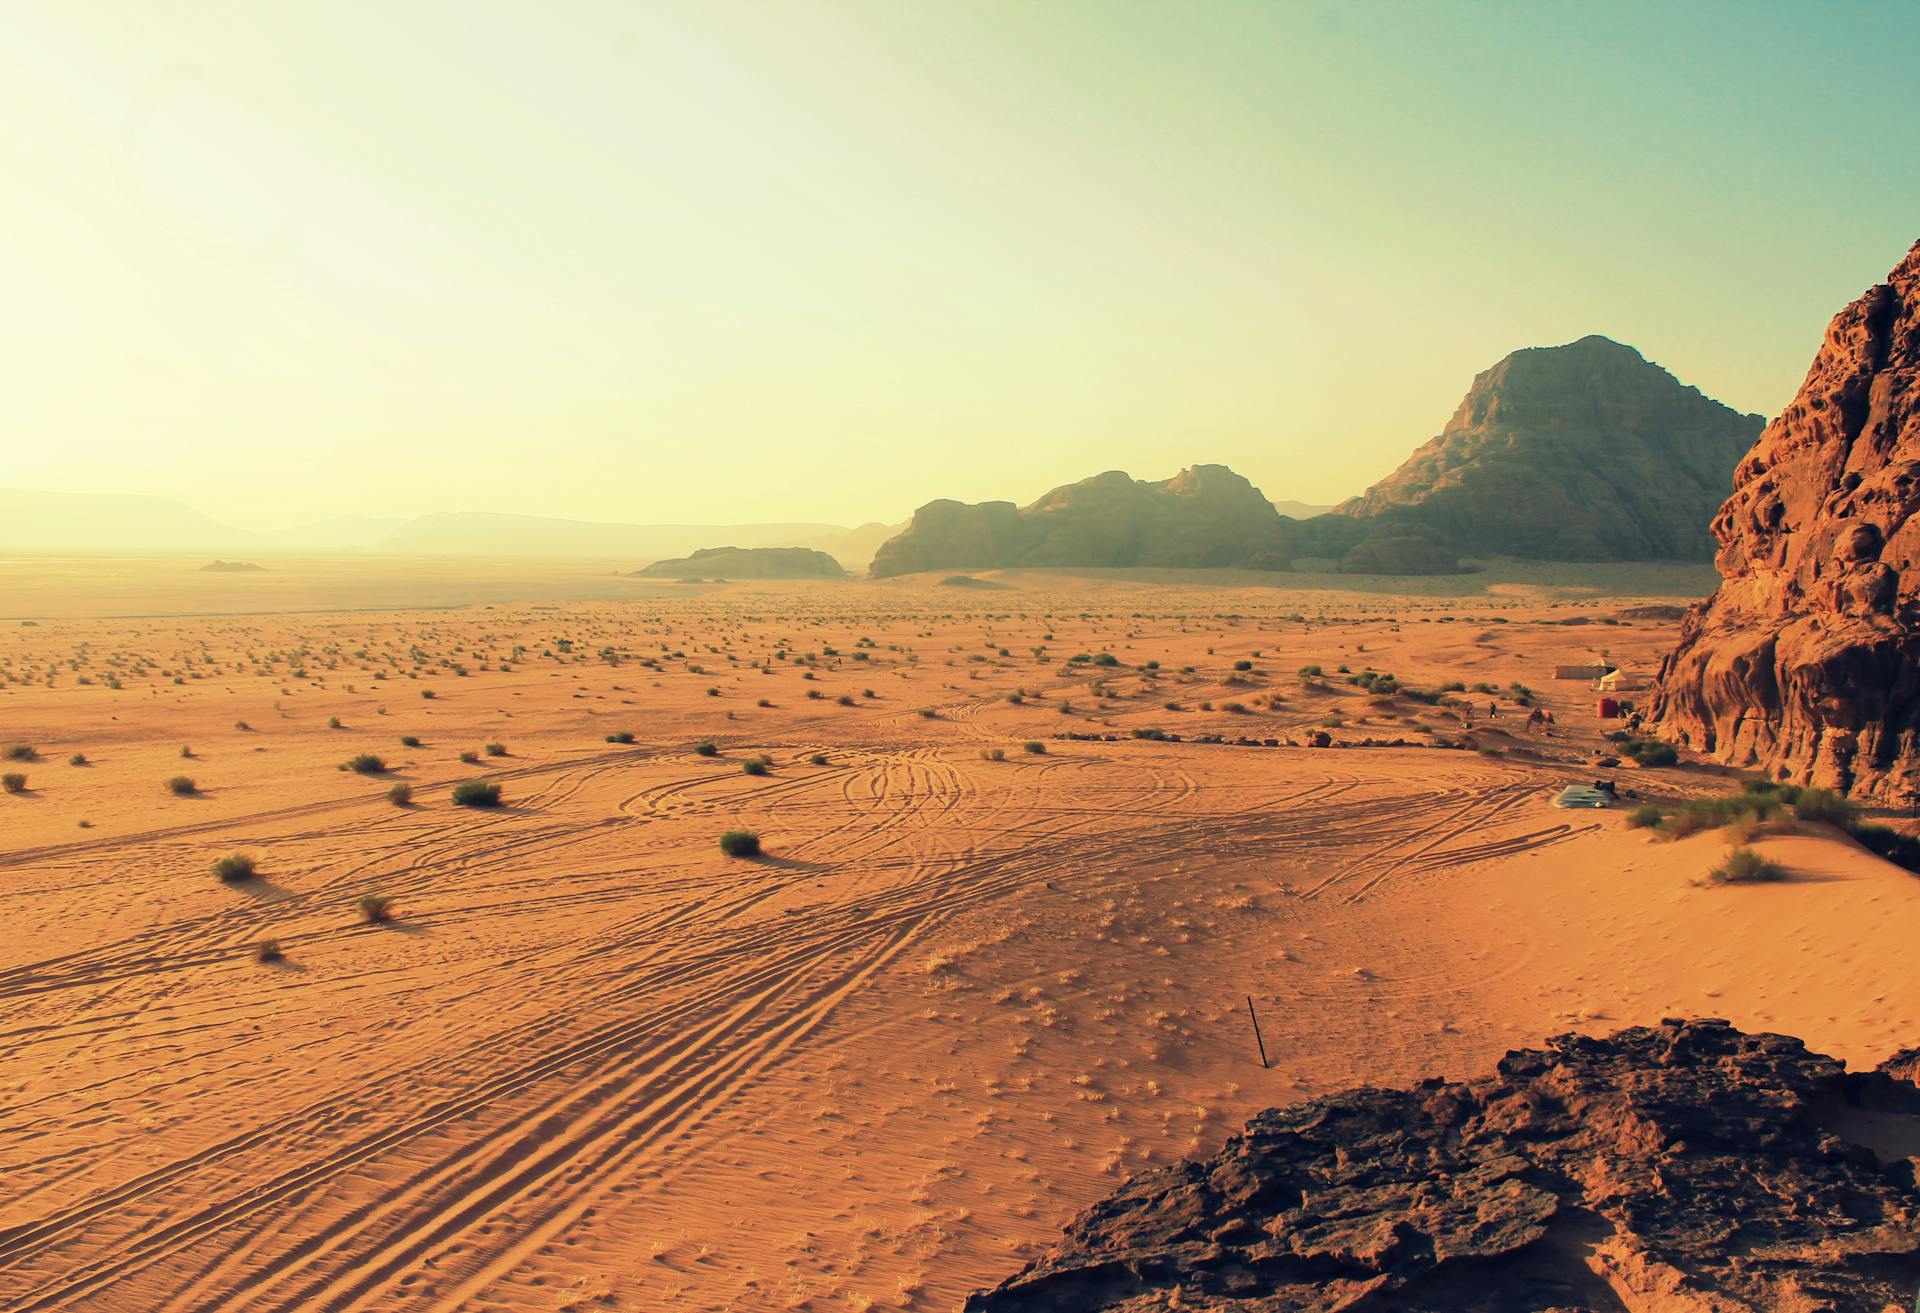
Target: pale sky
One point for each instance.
(827, 260)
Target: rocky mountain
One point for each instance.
(1586, 451)
(1806, 659)
(747, 563)
(1685, 1167)
(1206, 515)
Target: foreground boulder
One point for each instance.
(1806, 661)
(1582, 452)
(1681, 1167)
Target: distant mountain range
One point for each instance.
(32, 521)
(1582, 452)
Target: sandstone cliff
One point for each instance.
(1578, 452)
(1806, 660)
(1683, 1167)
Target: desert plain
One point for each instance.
(997, 953)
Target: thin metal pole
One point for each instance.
(1256, 1031)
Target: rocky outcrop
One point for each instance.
(231, 567)
(747, 563)
(1204, 516)
(1579, 452)
(1806, 660)
(1681, 1167)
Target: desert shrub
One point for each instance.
(844, 700)
(1106, 659)
(1826, 807)
(13, 782)
(496, 749)
(713, 692)
(1900, 849)
(268, 950)
(620, 736)
(180, 786)
(409, 740)
(333, 722)
(764, 702)
(400, 794)
(993, 754)
(375, 909)
(23, 752)
(1243, 665)
(1644, 817)
(476, 793)
(818, 759)
(705, 749)
(427, 693)
(186, 751)
(1235, 708)
(1312, 672)
(1745, 866)
(740, 843)
(1650, 752)
(235, 867)
(365, 763)
(1034, 746)
(78, 759)
(471, 757)
(755, 766)
(1017, 698)
(928, 713)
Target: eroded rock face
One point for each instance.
(1806, 660)
(1579, 452)
(1680, 1167)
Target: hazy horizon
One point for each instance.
(827, 261)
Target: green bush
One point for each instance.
(235, 867)
(1826, 807)
(471, 757)
(1034, 746)
(1650, 752)
(476, 793)
(1745, 866)
(705, 749)
(740, 843)
(78, 759)
(365, 764)
(268, 950)
(375, 909)
(1644, 817)
(13, 782)
(180, 786)
(993, 754)
(409, 740)
(400, 794)
(756, 766)
(23, 752)
(496, 749)
(620, 736)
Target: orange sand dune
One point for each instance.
(594, 1063)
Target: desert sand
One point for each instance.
(592, 1062)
